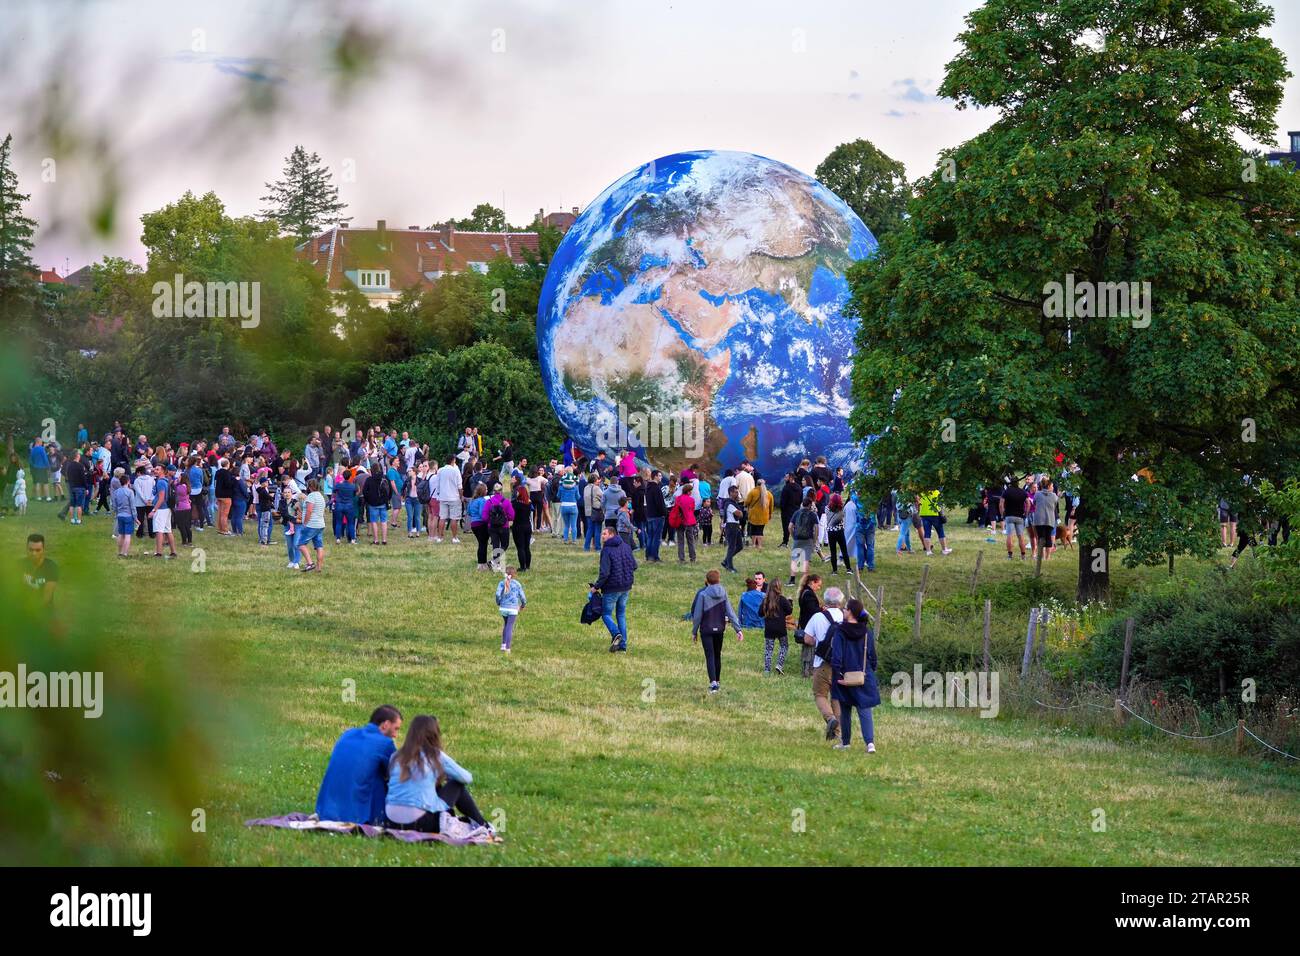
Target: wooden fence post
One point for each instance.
(880, 610)
(916, 619)
(925, 576)
(1241, 735)
(1119, 711)
(1128, 649)
(988, 613)
(1040, 633)
(1029, 643)
(975, 576)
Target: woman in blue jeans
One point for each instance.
(853, 652)
(904, 525)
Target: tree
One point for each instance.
(305, 199)
(1116, 164)
(436, 394)
(874, 186)
(17, 273)
(484, 218)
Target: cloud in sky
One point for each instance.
(909, 90)
(255, 69)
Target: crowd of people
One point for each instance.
(369, 485)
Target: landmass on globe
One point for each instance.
(695, 312)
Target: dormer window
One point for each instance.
(372, 278)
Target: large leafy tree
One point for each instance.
(1110, 162)
(874, 186)
(484, 217)
(435, 394)
(304, 200)
(30, 365)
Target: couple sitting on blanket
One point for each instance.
(369, 780)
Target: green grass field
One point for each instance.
(593, 758)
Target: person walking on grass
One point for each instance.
(123, 499)
(853, 675)
(312, 530)
(617, 575)
(476, 513)
(809, 603)
(932, 519)
(733, 527)
(160, 515)
(448, 482)
(816, 633)
(710, 612)
(510, 601)
(775, 610)
(803, 532)
(836, 534)
(758, 511)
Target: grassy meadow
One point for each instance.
(592, 758)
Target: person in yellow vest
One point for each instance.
(758, 507)
(932, 519)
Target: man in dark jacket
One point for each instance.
(617, 571)
(791, 498)
(655, 513)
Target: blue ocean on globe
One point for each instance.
(695, 312)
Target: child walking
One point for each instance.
(510, 601)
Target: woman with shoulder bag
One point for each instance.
(853, 674)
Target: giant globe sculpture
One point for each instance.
(695, 312)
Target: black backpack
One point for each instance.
(714, 619)
(824, 645)
(171, 494)
(497, 519)
(805, 523)
(423, 491)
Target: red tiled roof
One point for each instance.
(50, 276)
(408, 254)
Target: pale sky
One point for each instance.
(521, 103)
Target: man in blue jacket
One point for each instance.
(356, 781)
(617, 570)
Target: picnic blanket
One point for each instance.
(454, 831)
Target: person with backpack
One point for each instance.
(614, 582)
(377, 490)
(803, 535)
(510, 600)
(681, 519)
(817, 634)
(164, 500)
(774, 610)
(733, 527)
(500, 515)
(710, 612)
(853, 675)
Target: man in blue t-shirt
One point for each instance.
(355, 784)
(39, 458)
